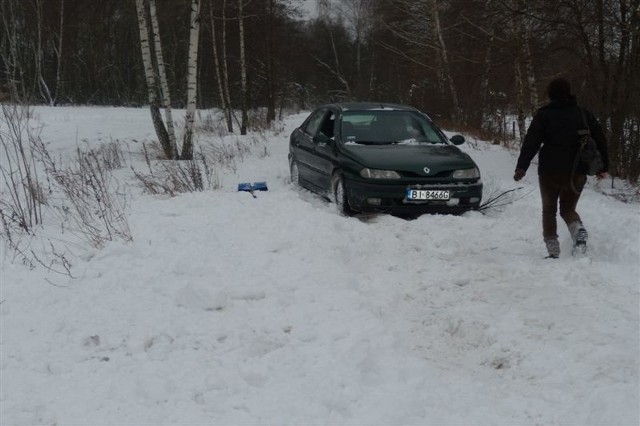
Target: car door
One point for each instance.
(302, 145)
(324, 157)
(312, 147)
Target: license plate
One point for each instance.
(426, 194)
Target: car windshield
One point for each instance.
(382, 127)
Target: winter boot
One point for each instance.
(553, 247)
(579, 236)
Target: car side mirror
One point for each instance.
(457, 139)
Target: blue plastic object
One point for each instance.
(251, 187)
(245, 187)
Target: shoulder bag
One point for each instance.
(588, 154)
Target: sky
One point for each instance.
(226, 309)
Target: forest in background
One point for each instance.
(468, 63)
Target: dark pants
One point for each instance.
(554, 188)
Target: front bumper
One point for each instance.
(389, 197)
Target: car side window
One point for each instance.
(328, 125)
(314, 123)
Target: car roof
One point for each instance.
(368, 106)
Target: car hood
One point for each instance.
(410, 158)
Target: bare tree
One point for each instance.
(521, 60)
(216, 59)
(444, 75)
(420, 40)
(484, 104)
(243, 70)
(593, 43)
(39, 81)
(325, 16)
(59, 56)
(271, 102)
(359, 17)
(154, 103)
(192, 80)
(532, 83)
(165, 95)
(152, 74)
(225, 68)
(10, 56)
(520, 99)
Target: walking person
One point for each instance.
(554, 133)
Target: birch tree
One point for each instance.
(192, 80)
(154, 103)
(165, 96)
(152, 75)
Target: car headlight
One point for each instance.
(379, 174)
(467, 173)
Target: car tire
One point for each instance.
(340, 195)
(295, 173)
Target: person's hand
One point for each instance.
(519, 174)
(602, 175)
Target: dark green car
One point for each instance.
(386, 158)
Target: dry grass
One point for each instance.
(81, 194)
(174, 177)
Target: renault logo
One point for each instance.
(427, 170)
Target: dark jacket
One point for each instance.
(554, 132)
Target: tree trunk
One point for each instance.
(154, 104)
(243, 71)
(216, 59)
(58, 89)
(446, 78)
(485, 102)
(520, 99)
(324, 16)
(8, 59)
(532, 86)
(271, 84)
(39, 82)
(192, 81)
(624, 162)
(225, 68)
(165, 96)
(357, 14)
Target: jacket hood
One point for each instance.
(561, 103)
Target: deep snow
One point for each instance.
(227, 309)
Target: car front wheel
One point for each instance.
(295, 173)
(340, 195)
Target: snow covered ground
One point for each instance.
(228, 309)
